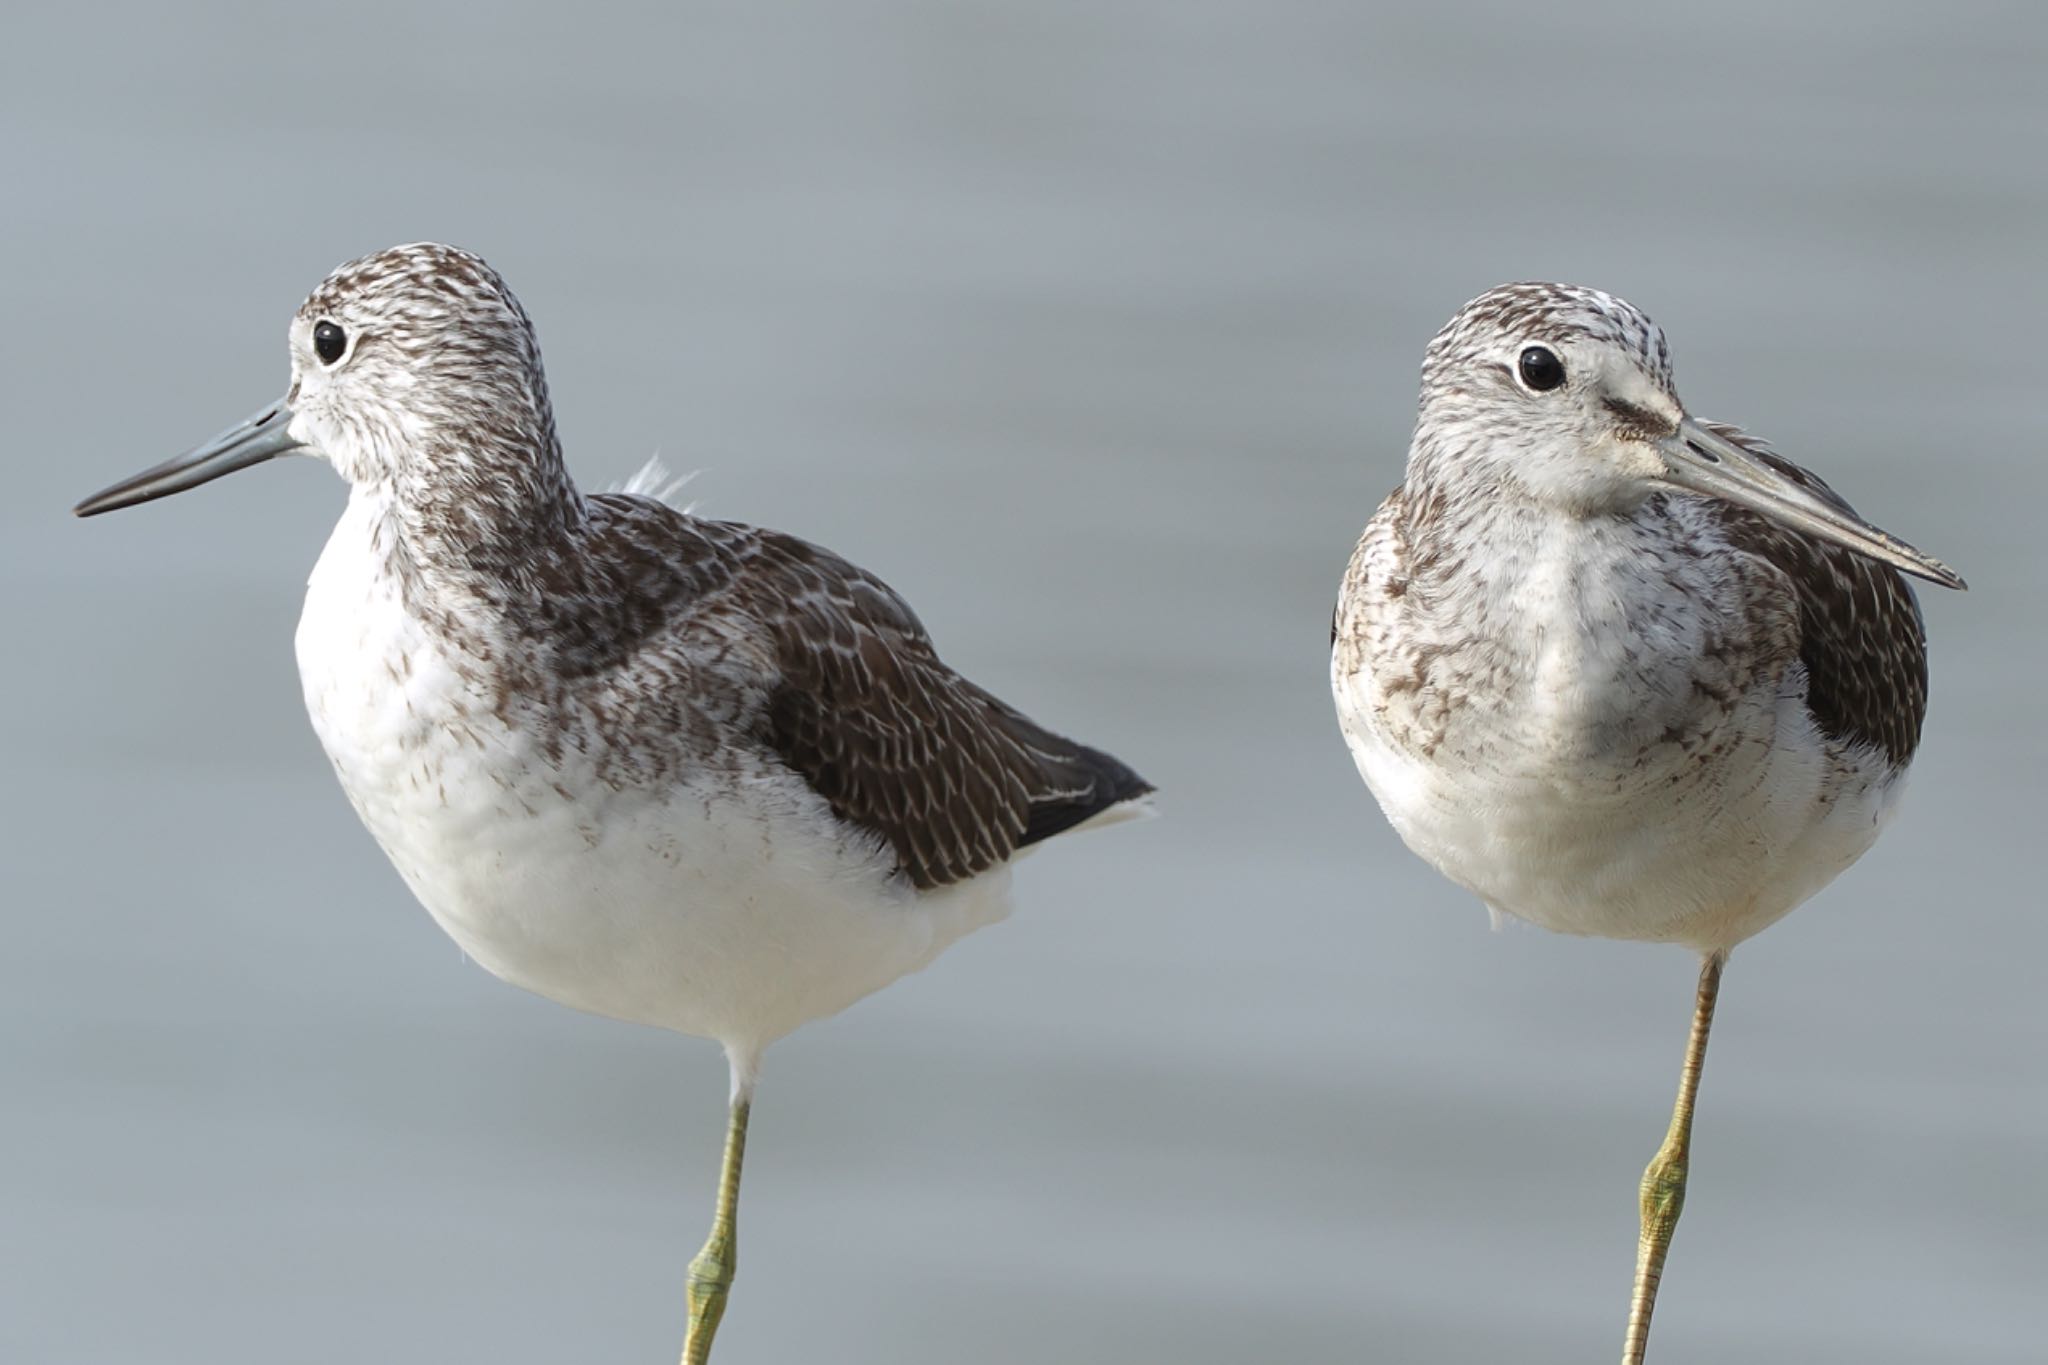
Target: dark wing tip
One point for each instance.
(895, 741)
(1086, 782)
(1859, 633)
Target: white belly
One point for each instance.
(729, 909)
(1677, 850)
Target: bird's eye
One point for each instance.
(1542, 371)
(329, 341)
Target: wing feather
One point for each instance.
(1861, 638)
(858, 703)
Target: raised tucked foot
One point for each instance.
(712, 1268)
(1663, 1188)
(710, 1279)
(1663, 1192)
(1663, 1199)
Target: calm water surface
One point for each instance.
(1093, 327)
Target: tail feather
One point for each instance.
(1077, 783)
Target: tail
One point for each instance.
(1077, 785)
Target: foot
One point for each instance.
(710, 1277)
(1663, 1194)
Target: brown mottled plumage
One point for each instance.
(645, 638)
(682, 772)
(1617, 670)
(648, 639)
(841, 682)
(1862, 642)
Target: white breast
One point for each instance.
(735, 911)
(1562, 767)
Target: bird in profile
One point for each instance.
(1620, 671)
(682, 772)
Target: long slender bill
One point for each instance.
(264, 436)
(1701, 460)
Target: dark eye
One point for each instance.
(329, 341)
(1541, 369)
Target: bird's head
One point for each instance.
(1562, 396)
(410, 368)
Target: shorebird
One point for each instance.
(1620, 671)
(681, 772)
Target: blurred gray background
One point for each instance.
(1094, 328)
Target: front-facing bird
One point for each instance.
(682, 772)
(1618, 671)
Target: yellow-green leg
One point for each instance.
(711, 1271)
(1664, 1181)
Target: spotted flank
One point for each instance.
(1617, 670)
(676, 770)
